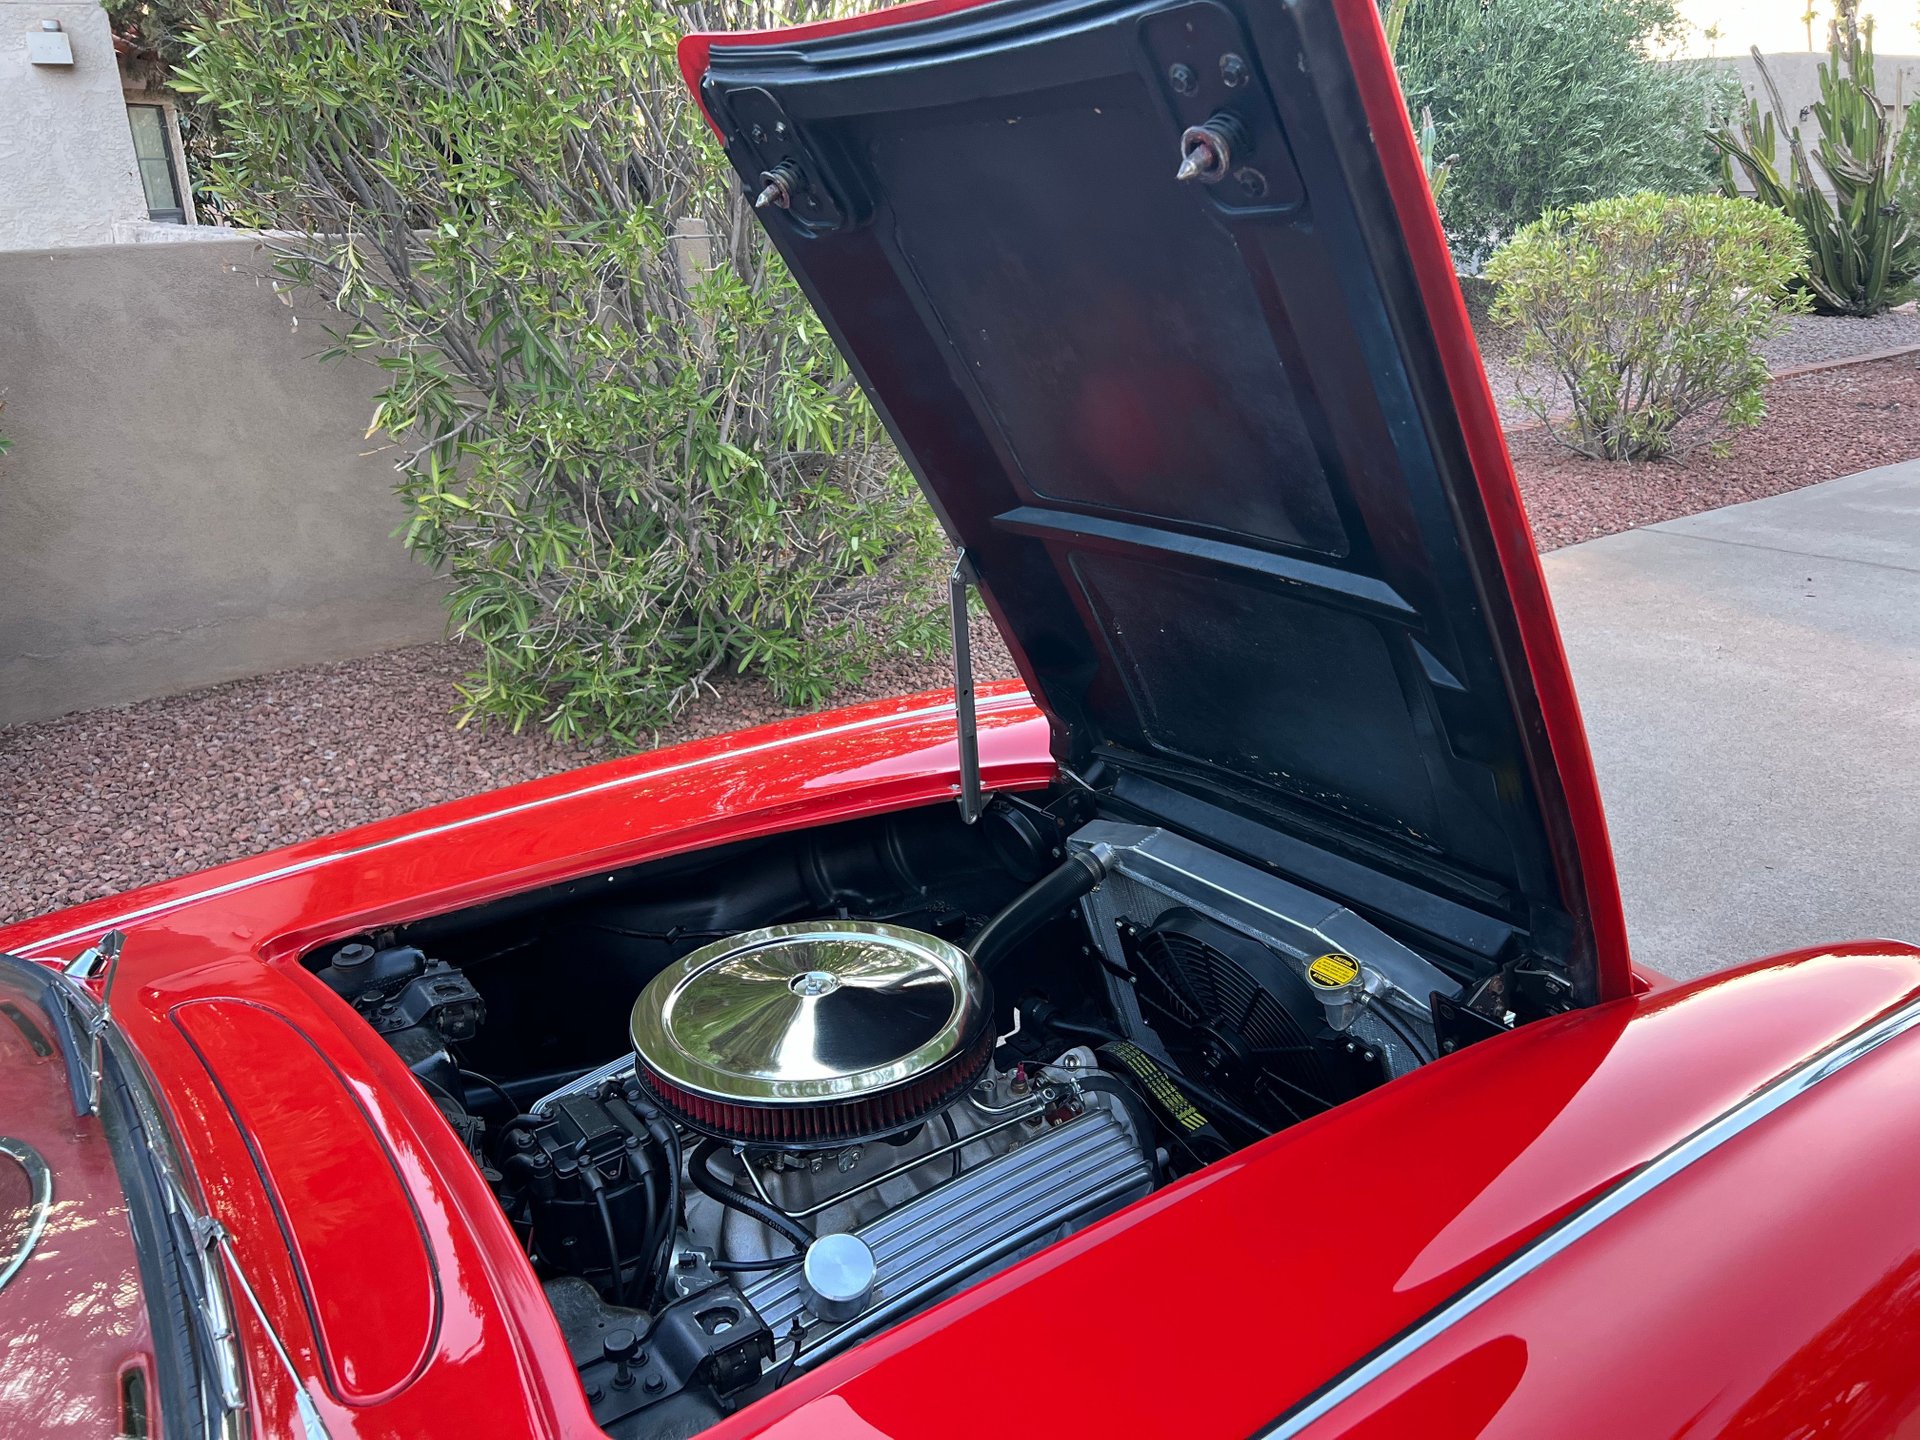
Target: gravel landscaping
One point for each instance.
(1818, 427)
(100, 802)
(1809, 340)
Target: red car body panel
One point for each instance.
(73, 1319)
(1775, 1293)
(1212, 1306)
(1205, 1309)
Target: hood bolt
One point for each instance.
(1182, 79)
(1234, 71)
(779, 184)
(1206, 151)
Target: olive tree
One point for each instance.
(620, 429)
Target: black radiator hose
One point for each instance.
(1038, 903)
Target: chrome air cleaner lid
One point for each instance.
(813, 1033)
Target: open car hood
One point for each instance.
(1221, 455)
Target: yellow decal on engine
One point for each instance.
(1331, 972)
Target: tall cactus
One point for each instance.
(1863, 247)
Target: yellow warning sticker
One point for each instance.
(1334, 970)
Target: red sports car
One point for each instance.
(1231, 1033)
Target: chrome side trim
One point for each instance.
(1576, 1227)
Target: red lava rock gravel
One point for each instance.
(101, 802)
(1818, 427)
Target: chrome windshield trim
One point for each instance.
(40, 1186)
(1576, 1227)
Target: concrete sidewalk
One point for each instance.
(1751, 683)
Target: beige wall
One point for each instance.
(188, 498)
(67, 172)
(1896, 79)
(1732, 27)
(1797, 75)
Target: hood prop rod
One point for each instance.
(971, 801)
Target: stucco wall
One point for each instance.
(188, 498)
(67, 172)
(1797, 74)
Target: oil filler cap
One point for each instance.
(839, 1273)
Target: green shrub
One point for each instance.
(621, 430)
(1544, 103)
(1863, 248)
(1647, 311)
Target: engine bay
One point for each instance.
(748, 1107)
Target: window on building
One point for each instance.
(153, 148)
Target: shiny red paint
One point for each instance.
(1772, 1291)
(328, 1244)
(334, 1168)
(1213, 1305)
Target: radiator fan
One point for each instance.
(1234, 1015)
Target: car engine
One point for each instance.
(824, 1125)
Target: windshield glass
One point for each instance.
(76, 1348)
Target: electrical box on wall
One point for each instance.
(49, 45)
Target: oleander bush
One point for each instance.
(1647, 311)
(1545, 103)
(620, 429)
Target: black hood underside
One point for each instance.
(1194, 437)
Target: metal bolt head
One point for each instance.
(1182, 79)
(1252, 183)
(1234, 71)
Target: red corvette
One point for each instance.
(1252, 1049)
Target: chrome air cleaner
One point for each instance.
(813, 1035)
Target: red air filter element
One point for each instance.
(814, 1124)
